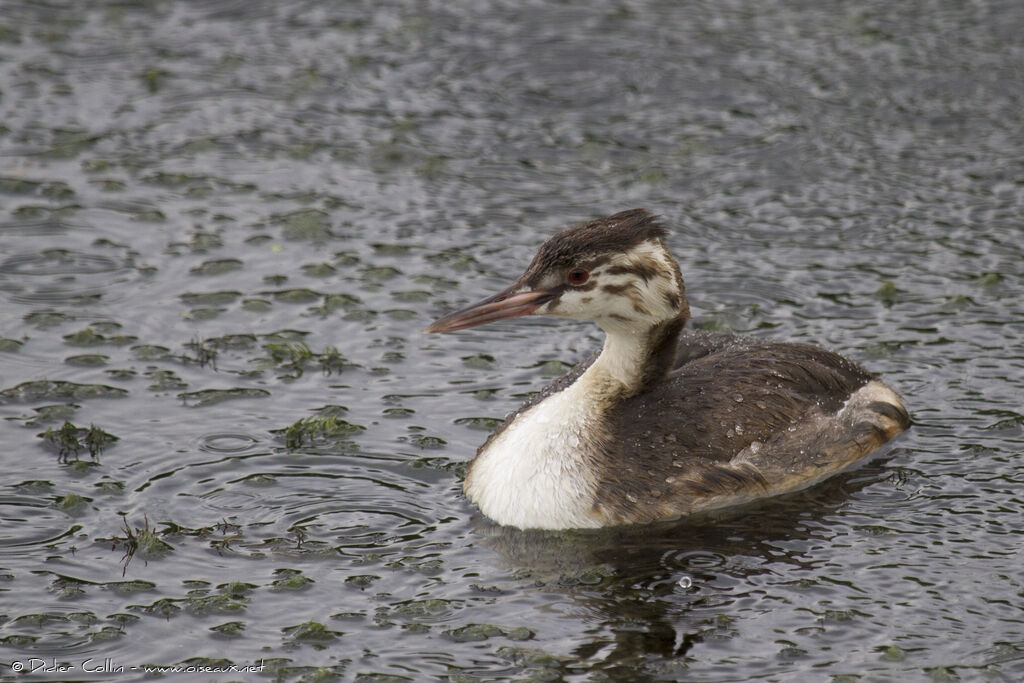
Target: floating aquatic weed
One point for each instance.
(435, 282)
(206, 664)
(202, 242)
(310, 430)
(375, 274)
(142, 540)
(121, 373)
(46, 318)
(154, 78)
(318, 269)
(296, 295)
(23, 186)
(311, 632)
(888, 293)
(232, 341)
(38, 621)
(430, 609)
(401, 313)
(88, 360)
(300, 535)
(398, 412)
(113, 488)
(150, 352)
(10, 345)
(275, 279)
(988, 279)
(488, 424)
(130, 587)
(290, 580)
(68, 143)
(360, 315)
(221, 298)
(69, 440)
(85, 337)
(453, 259)
(391, 249)
(425, 441)
(106, 633)
(19, 641)
(224, 526)
(306, 225)
(898, 478)
(214, 604)
(204, 313)
(205, 352)
(217, 267)
(891, 653)
(1007, 419)
(224, 543)
(231, 629)
(412, 296)
(256, 305)
(361, 581)
(109, 184)
(60, 412)
(456, 468)
(532, 658)
(165, 380)
(229, 533)
(331, 361)
(553, 368)
(34, 486)
(472, 633)
(73, 504)
(237, 589)
(292, 357)
(282, 336)
(208, 397)
(346, 258)
(479, 361)
(96, 440)
(331, 409)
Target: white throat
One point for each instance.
(541, 472)
(622, 358)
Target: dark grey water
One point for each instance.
(220, 218)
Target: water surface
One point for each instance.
(219, 219)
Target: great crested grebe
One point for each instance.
(663, 422)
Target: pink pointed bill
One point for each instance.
(498, 307)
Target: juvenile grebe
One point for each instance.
(663, 422)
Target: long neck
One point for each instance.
(632, 360)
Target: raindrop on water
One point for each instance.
(685, 581)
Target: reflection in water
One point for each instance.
(657, 591)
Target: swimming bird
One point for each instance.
(662, 422)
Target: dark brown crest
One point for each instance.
(613, 234)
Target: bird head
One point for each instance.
(615, 271)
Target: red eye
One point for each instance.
(578, 276)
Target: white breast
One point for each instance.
(536, 474)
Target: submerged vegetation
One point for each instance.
(205, 353)
(69, 440)
(292, 359)
(318, 429)
(143, 540)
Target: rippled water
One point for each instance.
(220, 218)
